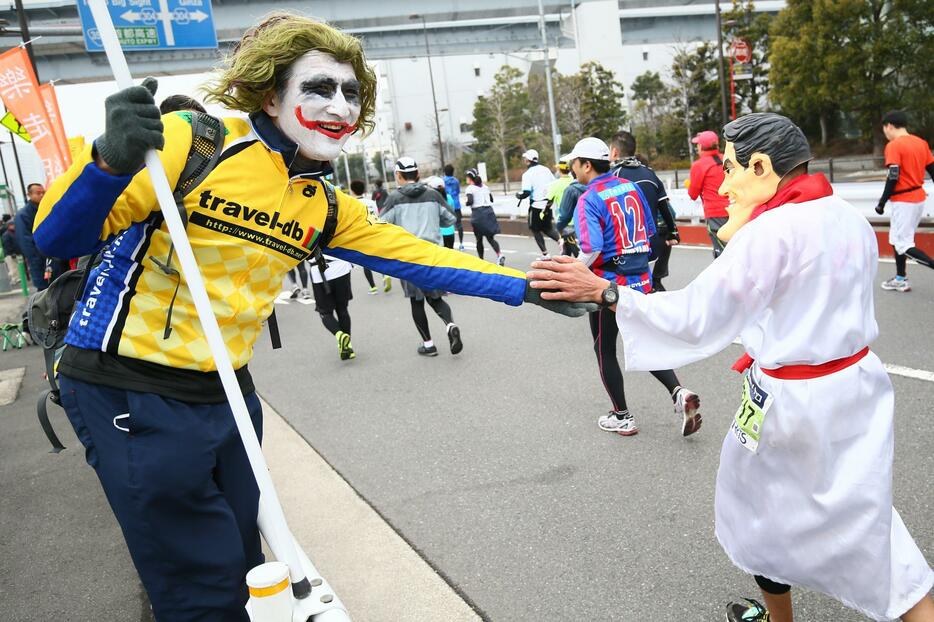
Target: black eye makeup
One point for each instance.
(326, 87)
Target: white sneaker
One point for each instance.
(624, 424)
(896, 284)
(687, 404)
(544, 257)
(501, 260)
(296, 290)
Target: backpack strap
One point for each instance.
(327, 232)
(207, 143)
(273, 324)
(42, 406)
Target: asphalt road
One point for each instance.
(491, 465)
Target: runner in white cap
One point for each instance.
(535, 182)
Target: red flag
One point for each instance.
(19, 91)
(47, 91)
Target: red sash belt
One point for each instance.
(802, 372)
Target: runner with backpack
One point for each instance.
(137, 371)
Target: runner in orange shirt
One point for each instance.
(906, 156)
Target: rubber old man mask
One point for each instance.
(318, 106)
(761, 149)
(747, 187)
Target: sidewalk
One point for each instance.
(64, 557)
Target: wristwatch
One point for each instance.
(610, 296)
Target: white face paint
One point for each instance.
(319, 107)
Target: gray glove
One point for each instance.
(133, 127)
(570, 309)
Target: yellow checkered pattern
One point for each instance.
(242, 284)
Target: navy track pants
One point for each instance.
(180, 485)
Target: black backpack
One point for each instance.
(48, 312)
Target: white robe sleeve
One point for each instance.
(667, 330)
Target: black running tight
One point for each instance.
(493, 243)
(341, 322)
(441, 308)
(605, 331)
(540, 238)
(915, 253)
(771, 587)
(448, 240)
(369, 277)
(302, 274)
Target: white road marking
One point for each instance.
(908, 372)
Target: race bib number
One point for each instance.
(750, 417)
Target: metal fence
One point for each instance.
(846, 169)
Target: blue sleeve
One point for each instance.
(74, 224)
(566, 209)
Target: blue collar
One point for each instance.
(603, 177)
(275, 140)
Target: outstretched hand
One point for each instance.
(566, 279)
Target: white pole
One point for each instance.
(275, 529)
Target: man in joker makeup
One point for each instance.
(804, 490)
(147, 403)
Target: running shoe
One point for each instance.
(896, 284)
(687, 404)
(622, 423)
(344, 346)
(543, 257)
(428, 351)
(460, 247)
(387, 283)
(373, 291)
(501, 260)
(454, 337)
(306, 295)
(751, 611)
(296, 290)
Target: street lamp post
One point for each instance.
(555, 140)
(720, 64)
(431, 77)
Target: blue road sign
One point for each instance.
(153, 24)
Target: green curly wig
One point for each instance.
(261, 62)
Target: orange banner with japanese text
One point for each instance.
(19, 91)
(47, 91)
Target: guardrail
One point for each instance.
(862, 195)
(846, 169)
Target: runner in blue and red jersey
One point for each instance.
(614, 227)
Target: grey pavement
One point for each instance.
(491, 465)
(488, 464)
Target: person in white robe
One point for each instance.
(804, 488)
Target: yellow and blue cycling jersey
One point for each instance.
(249, 222)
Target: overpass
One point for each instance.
(454, 28)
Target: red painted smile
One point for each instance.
(331, 129)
